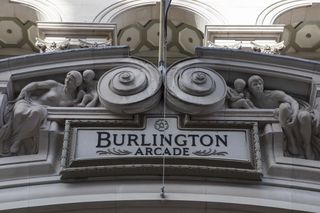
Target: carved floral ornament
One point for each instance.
(274, 48)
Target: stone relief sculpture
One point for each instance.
(268, 48)
(301, 126)
(28, 112)
(95, 44)
(88, 96)
(274, 48)
(236, 45)
(51, 46)
(239, 96)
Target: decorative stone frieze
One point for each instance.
(195, 86)
(232, 36)
(94, 44)
(267, 48)
(235, 45)
(52, 46)
(22, 117)
(58, 36)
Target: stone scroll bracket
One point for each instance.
(130, 89)
(195, 90)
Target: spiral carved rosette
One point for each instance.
(195, 90)
(130, 89)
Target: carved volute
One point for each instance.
(126, 82)
(130, 89)
(195, 90)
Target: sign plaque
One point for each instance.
(161, 137)
(154, 138)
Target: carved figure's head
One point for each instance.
(239, 85)
(88, 75)
(73, 78)
(256, 84)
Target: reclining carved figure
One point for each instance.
(300, 126)
(28, 112)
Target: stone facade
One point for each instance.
(87, 126)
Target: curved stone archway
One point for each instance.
(272, 12)
(301, 26)
(48, 11)
(138, 25)
(206, 11)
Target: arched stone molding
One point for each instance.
(208, 12)
(102, 197)
(48, 10)
(269, 14)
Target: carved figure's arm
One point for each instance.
(293, 103)
(79, 97)
(29, 88)
(233, 96)
(93, 91)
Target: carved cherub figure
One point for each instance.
(237, 97)
(88, 95)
